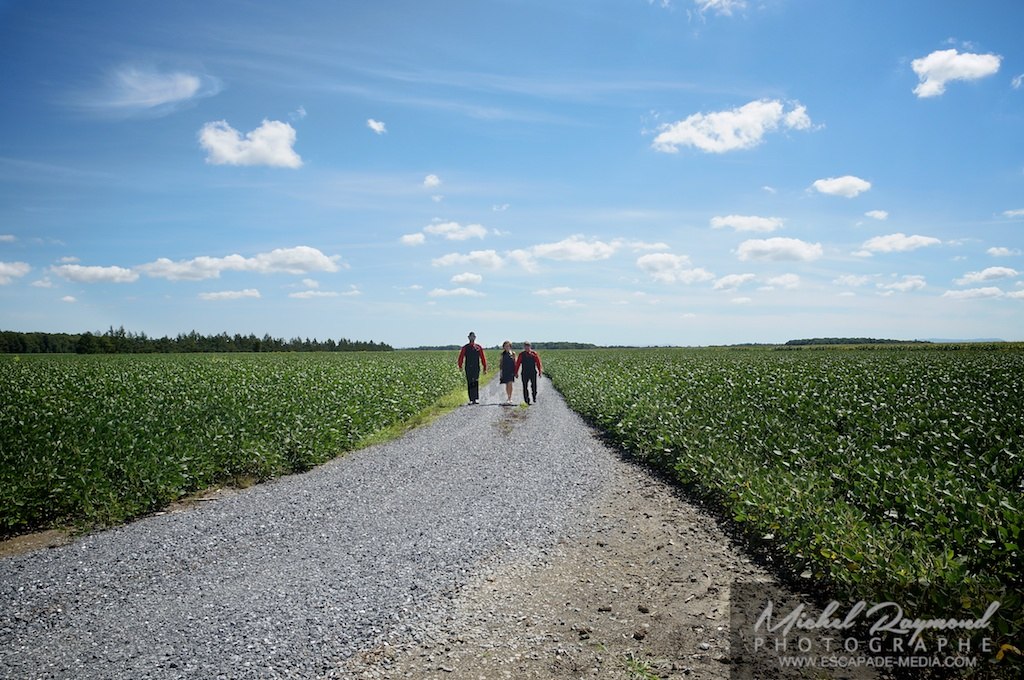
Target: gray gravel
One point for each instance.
(291, 578)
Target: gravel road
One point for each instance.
(295, 577)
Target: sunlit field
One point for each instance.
(881, 471)
(98, 439)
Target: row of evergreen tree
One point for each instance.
(120, 341)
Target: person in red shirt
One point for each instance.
(472, 355)
(528, 365)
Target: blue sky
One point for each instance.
(612, 171)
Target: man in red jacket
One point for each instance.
(528, 362)
(472, 355)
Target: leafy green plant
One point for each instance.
(893, 474)
(98, 439)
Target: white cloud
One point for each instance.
(897, 243)
(70, 299)
(908, 283)
(722, 131)
(733, 281)
(298, 114)
(779, 249)
(8, 238)
(670, 268)
(877, 214)
(573, 249)
(566, 304)
(68, 260)
(943, 66)
(1013, 213)
(1017, 81)
(12, 270)
(852, 280)
(747, 223)
(297, 260)
(269, 144)
(455, 292)
(988, 274)
(377, 126)
(231, 294)
(488, 259)
(453, 231)
(786, 281)
(847, 186)
(500, 208)
(741, 301)
(431, 181)
(84, 274)
(310, 283)
(974, 293)
(558, 290)
(467, 279)
(44, 282)
(417, 239)
(1003, 252)
(576, 249)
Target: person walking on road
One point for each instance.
(508, 369)
(529, 367)
(472, 355)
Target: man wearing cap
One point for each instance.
(472, 355)
(528, 365)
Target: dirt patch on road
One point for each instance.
(640, 591)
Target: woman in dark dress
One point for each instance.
(508, 369)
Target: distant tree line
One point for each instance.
(517, 345)
(120, 341)
(854, 341)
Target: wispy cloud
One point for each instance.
(455, 292)
(135, 90)
(880, 215)
(377, 126)
(230, 294)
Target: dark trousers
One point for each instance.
(473, 384)
(529, 381)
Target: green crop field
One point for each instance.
(98, 439)
(888, 473)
